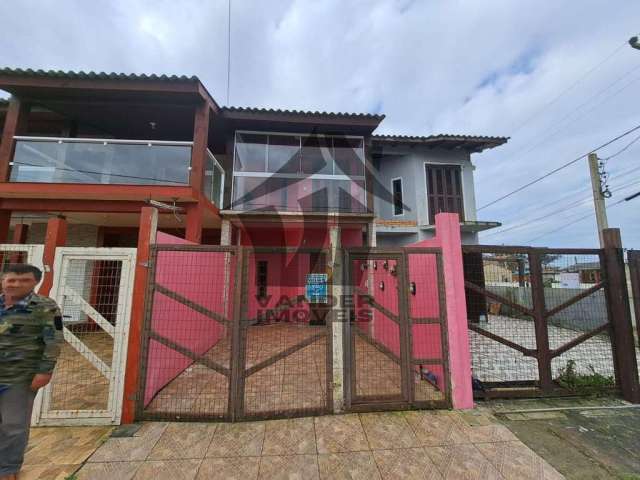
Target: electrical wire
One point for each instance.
(570, 87)
(622, 150)
(561, 167)
(228, 51)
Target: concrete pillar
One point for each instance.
(371, 234)
(338, 318)
(193, 231)
(225, 240)
(225, 233)
(55, 237)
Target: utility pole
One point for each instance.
(598, 197)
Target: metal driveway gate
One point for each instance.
(93, 288)
(395, 340)
(230, 334)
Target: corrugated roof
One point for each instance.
(440, 137)
(272, 111)
(95, 75)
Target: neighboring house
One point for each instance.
(589, 272)
(496, 271)
(426, 175)
(95, 148)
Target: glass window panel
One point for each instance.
(397, 197)
(284, 154)
(349, 156)
(316, 155)
(251, 152)
(100, 163)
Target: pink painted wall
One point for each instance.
(448, 239)
(197, 276)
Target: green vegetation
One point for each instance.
(581, 383)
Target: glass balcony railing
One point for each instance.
(101, 161)
(213, 180)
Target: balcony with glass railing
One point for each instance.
(213, 187)
(298, 173)
(101, 161)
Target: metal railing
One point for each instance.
(213, 187)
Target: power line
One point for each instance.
(581, 202)
(554, 130)
(622, 150)
(591, 214)
(562, 167)
(570, 87)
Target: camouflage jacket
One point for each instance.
(30, 338)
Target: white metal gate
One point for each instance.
(93, 287)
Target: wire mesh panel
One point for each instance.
(93, 290)
(538, 319)
(427, 322)
(378, 330)
(188, 332)
(284, 333)
(579, 333)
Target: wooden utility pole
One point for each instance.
(598, 197)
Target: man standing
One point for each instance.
(30, 338)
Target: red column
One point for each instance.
(193, 231)
(55, 237)
(14, 124)
(5, 220)
(20, 233)
(200, 144)
(146, 237)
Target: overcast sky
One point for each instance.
(518, 68)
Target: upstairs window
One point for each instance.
(444, 190)
(396, 188)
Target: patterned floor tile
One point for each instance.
(433, 429)
(490, 433)
(462, 462)
(348, 466)
(289, 467)
(516, 460)
(47, 472)
(124, 450)
(168, 470)
(388, 430)
(340, 433)
(63, 445)
(108, 471)
(291, 436)
(409, 463)
(182, 441)
(229, 468)
(151, 429)
(237, 439)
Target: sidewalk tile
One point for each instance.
(229, 468)
(388, 430)
(516, 460)
(406, 463)
(168, 470)
(348, 466)
(237, 439)
(292, 436)
(183, 441)
(289, 467)
(462, 462)
(340, 433)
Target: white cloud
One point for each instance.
(479, 67)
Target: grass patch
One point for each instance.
(582, 383)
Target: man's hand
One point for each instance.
(40, 380)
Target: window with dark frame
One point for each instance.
(396, 185)
(444, 190)
(261, 278)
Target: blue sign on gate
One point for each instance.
(316, 288)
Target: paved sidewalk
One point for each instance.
(394, 445)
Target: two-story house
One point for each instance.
(95, 148)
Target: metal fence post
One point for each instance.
(540, 323)
(624, 351)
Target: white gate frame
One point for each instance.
(42, 413)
